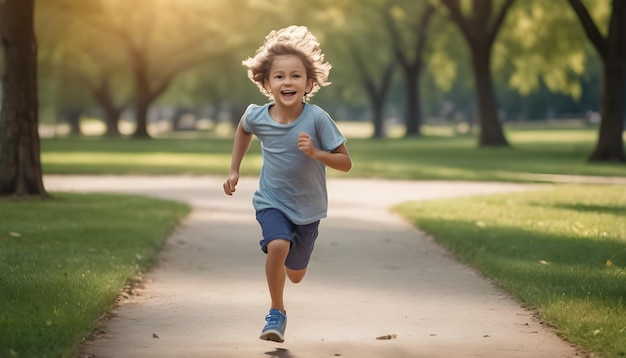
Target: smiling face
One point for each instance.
(288, 81)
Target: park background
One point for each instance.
(164, 65)
(527, 91)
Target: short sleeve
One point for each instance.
(329, 135)
(244, 119)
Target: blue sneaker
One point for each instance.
(274, 330)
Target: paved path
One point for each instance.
(372, 274)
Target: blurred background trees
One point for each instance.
(479, 61)
(136, 64)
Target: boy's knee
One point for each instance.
(278, 245)
(295, 276)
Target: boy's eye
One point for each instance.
(296, 76)
(278, 76)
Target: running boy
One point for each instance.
(298, 140)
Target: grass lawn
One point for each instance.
(436, 156)
(561, 251)
(64, 261)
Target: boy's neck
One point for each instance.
(285, 114)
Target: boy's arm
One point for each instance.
(338, 159)
(240, 147)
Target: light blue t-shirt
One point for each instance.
(290, 181)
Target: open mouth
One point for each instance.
(288, 93)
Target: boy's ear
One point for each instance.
(266, 85)
(309, 86)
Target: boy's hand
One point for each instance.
(231, 183)
(305, 144)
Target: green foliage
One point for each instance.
(541, 43)
(541, 46)
(560, 250)
(64, 261)
(158, 156)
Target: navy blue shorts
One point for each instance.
(276, 225)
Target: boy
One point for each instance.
(298, 140)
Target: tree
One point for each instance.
(480, 28)
(611, 49)
(153, 62)
(410, 56)
(350, 38)
(159, 41)
(79, 66)
(160, 49)
(377, 91)
(112, 110)
(20, 165)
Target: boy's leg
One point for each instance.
(277, 251)
(285, 257)
(300, 253)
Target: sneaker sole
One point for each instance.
(272, 335)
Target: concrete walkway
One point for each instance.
(372, 275)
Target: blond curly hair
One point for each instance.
(292, 40)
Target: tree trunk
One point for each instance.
(112, 120)
(377, 95)
(147, 89)
(72, 118)
(413, 111)
(377, 104)
(142, 99)
(378, 98)
(491, 133)
(142, 90)
(145, 93)
(378, 119)
(480, 29)
(20, 166)
(141, 117)
(610, 145)
(103, 94)
(413, 71)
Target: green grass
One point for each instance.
(561, 251)
(88, 155)
(435, 156)
(64, 261)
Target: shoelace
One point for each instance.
(272, 318)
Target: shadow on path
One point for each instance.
(280, 353)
